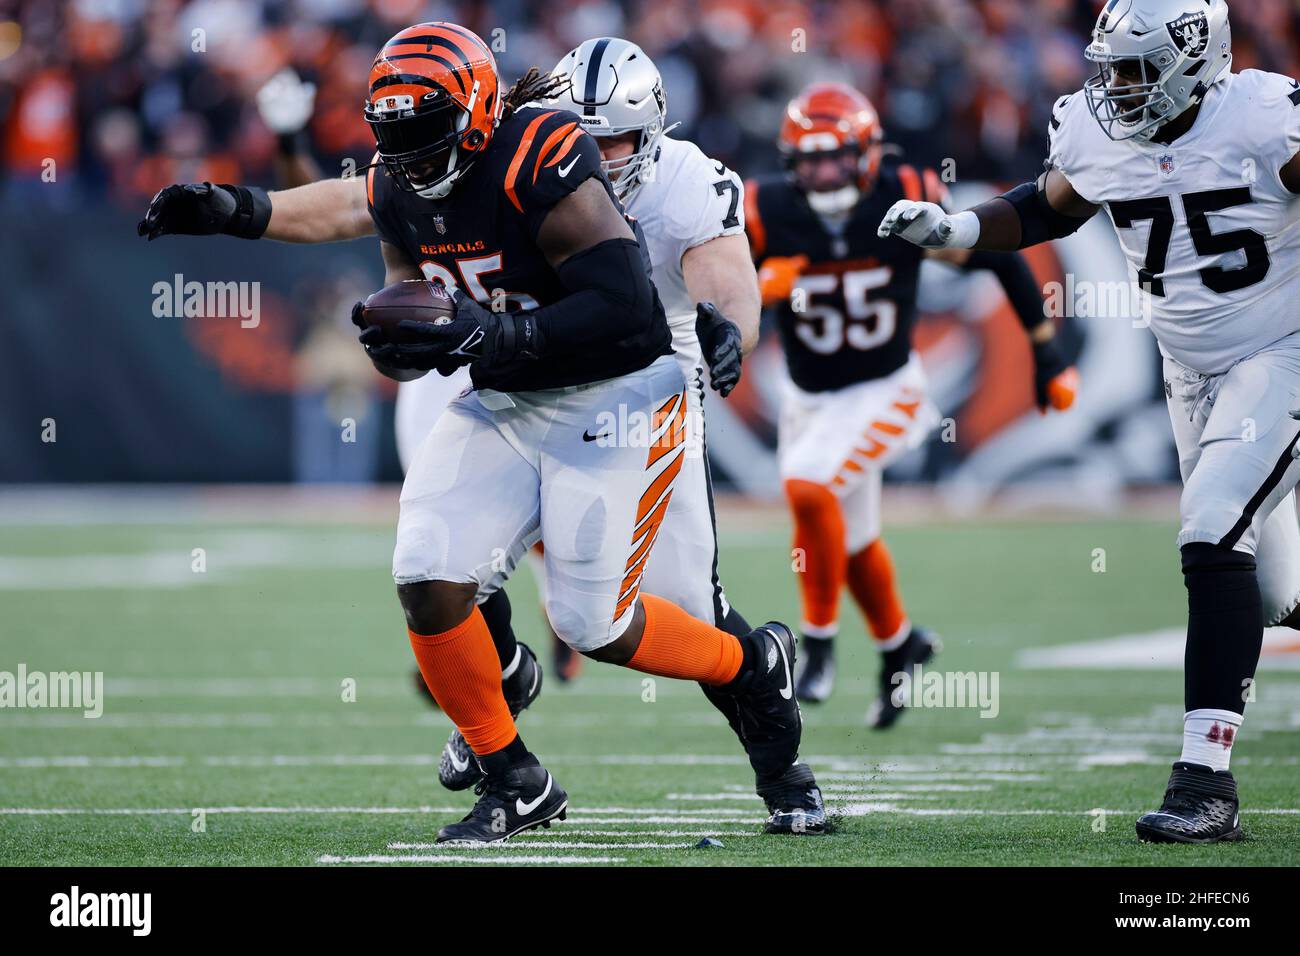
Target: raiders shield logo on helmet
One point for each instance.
(1191, 33)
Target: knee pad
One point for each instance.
(579, 628)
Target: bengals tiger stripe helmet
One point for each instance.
(434, 104)
(831, 119)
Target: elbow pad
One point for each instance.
(1039, 222)
(610, 297)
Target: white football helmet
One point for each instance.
(1178, 49)
(615, 88)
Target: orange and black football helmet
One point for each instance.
(434, 104)
(831, 121)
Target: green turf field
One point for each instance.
(225, 737)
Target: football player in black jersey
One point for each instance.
(845, 303)
(576, 422)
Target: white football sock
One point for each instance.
(1208, 736)
(822, 632)
(897, 638)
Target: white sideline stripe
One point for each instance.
(466, 858)
(523, 843)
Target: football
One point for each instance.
(421, 300)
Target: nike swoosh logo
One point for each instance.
(588, 436)
(523, 809)
(785, 664)
(460, 765)
(564, 170)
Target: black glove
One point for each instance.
(720, 341)
(204, 209)
(422, 355)
(492, 337)
(1054, 378)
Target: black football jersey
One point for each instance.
(482, 237)
(851, 316)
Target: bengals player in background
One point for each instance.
(855, 401)
(485, 193)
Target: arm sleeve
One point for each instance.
(1017, 281)
(610, 298)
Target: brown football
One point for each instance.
(423, 300)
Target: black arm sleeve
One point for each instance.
(1017, 281)
(610, 298)
(1039, 222)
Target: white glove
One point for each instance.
(926, 225)
(286, 102)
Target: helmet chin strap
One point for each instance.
(834, 202)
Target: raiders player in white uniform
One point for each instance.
(1199, 170)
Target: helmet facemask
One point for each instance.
(831, 198)
(1128, 96)
(628, 174)
(420, 144)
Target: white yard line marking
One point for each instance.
(1152, 650)
(40, 763)
(467, 858)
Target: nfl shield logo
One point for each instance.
(439, 225)
(1167, 164)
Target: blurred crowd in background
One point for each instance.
(102, 102)
(128, 95)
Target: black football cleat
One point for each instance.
(921, 645)
(1200, 806)
(768, 713)
(816, 677)
(794, 803)
(457, 768)
(521, 798)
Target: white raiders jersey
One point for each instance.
(690, 200)
(1204, 221)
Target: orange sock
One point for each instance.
(871, 579)
(819, 543)
(461, 670)
(674, 644)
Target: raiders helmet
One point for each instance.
(615, 88)
(1155, 59)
